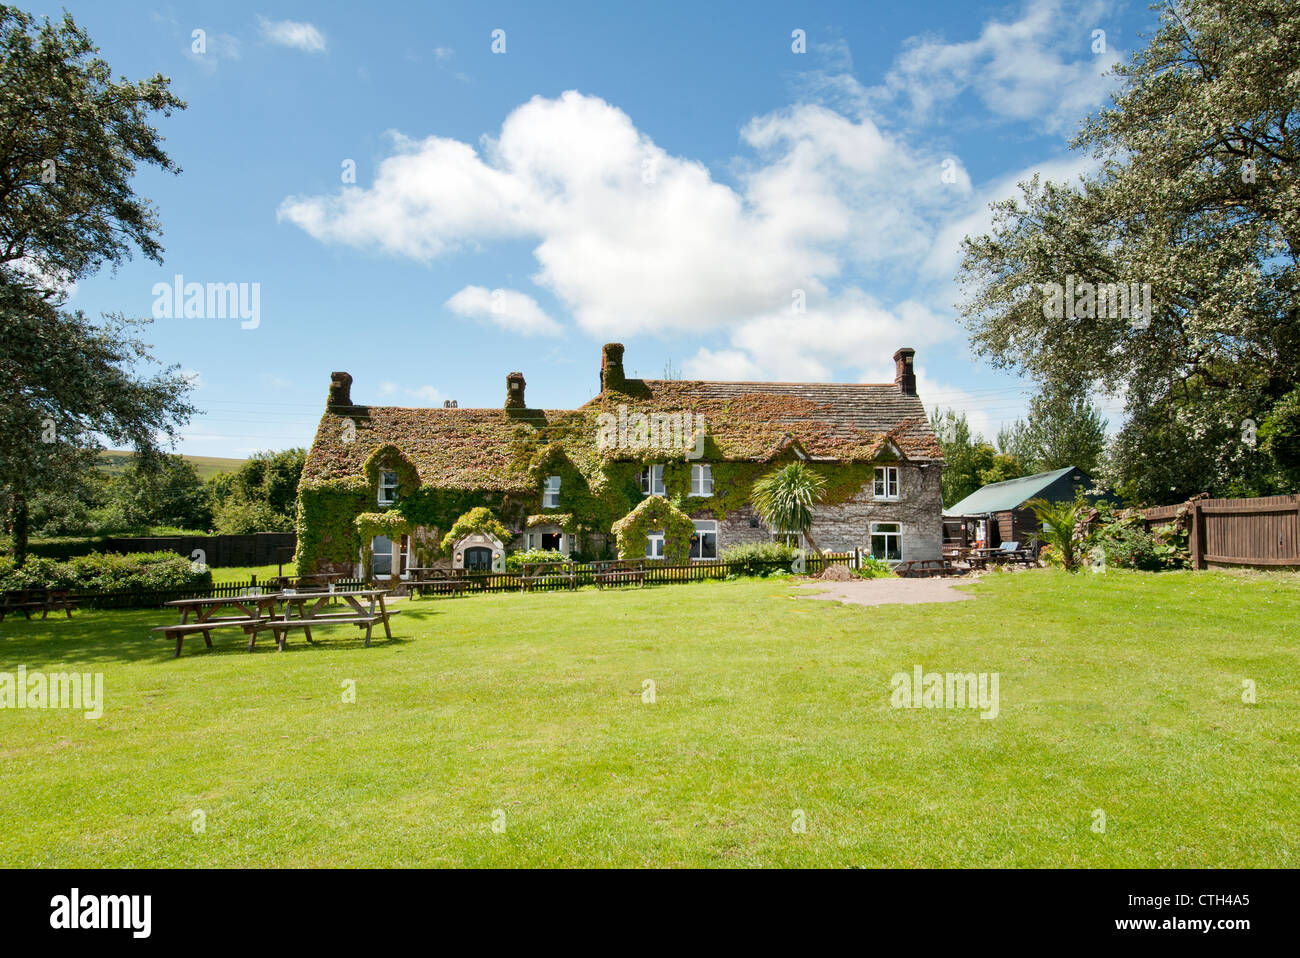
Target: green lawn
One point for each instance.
(1119, 692)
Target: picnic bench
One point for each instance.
(563, 574)
(43, 601)
(924, 568)
(248, 612)
(258, 612)
(302, 610)
(438, 581)
(619, 572)
(1008, 552)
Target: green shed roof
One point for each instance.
(1011, 494)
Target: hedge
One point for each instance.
(97, 572)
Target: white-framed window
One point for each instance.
(652, 481)
(387, 488)
(654, 545)
(887, 540)
(551, 494)
(704, 544)
(701, 480)
(381, 556)
(886, 482)
(546, 540)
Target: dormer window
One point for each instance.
(652, 481)
(551, 494)
(387, 488)
(886, 486)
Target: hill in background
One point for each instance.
(115, 461)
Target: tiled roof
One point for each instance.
(491, 449)
(754, 421)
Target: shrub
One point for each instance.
(873, 568)
(97, 572)
(759, 552)
(516, 561)
(1125, 542)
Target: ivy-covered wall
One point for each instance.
(595, 493)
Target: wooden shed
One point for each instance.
(997, 513)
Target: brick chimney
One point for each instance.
(904, 377)
(340, 389)
(515, 391)
(611, 367)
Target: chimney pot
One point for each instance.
(904, 376)
(515, 391)
(611, 367)
(340, 389)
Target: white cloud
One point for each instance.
(507, 308)
(635, 240)
(854, 332)
(193, 377)
(291, 33)
(427, 393)
(1040, 66)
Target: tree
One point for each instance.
(167, 492)
(784, 499)
(1063, 429)
(262, 492)
(1197, 196)
(968, 461)
(72, 140)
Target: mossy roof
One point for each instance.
(757, 421)
(495, 449)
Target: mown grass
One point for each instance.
(1119, 692)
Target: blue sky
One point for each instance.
(665, 175)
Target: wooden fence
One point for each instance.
(1261, 532)
(573, 575)
(255, 548)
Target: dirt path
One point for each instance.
(892, 591)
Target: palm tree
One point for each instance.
(1058, 520)
(784, 499)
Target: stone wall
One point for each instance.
(918, 510)
(844, 527)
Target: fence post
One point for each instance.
(1196, 540)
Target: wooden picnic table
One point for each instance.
(922, 568)
(43, 601)
(250, 610)
(428, 578)
(303, 610)
(614, 572)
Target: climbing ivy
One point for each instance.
(655, 512)
(479, 519)
(326, 533)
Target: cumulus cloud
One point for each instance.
(291, 33)
(507, 308)
(635, 240)
(854, 331)
(1040, 66)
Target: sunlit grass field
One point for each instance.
(1118, 692)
